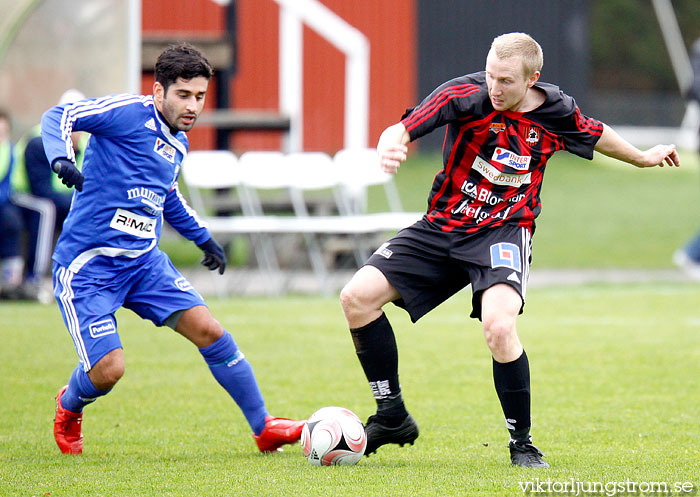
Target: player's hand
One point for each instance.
(662, 154)
(391, 157)
(392, 147)
(214, 255)
(69, 174)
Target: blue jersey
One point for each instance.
(131, 167)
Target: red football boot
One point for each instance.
(66, 427)
(277, 432)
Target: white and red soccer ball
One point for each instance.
(333, 435)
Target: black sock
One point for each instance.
(376, 349)
(512, 381)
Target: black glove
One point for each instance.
(214, 255)
(69, 174)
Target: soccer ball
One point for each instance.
(333, 435)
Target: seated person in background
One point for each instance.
(10, 218)
(42, 198)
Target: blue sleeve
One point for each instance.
(102, 116)
(183, 218)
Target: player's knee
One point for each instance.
(364, 296)
(351, 300)
(112, 375)
(199, 326)
(499, 332)
(210, 330)
(346, 298)
(108, 371)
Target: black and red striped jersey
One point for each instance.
(494, 161)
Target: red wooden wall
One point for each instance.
(389, 26)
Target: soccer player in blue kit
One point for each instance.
(502, 125)
(107, 256)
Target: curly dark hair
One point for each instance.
(181, 61)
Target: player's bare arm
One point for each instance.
(613, 145)
(392, 147)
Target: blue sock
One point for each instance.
(233, 372)
(80, 391)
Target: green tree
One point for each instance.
(628, 49)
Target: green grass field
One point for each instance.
(615, 373)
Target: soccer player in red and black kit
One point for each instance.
(502, 127)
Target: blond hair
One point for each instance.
(519, 45)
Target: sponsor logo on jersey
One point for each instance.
(486, 196)
(497, 177)
(384, 251)
(183, 284)
(153, 201)
(497, 127)
(533, 136)
(102, 328)
(505, 254)
(510, 159)
(151, 124)
(134, 224)
(479, 213)
(165, 150)
(472, 190)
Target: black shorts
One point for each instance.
(427, 265)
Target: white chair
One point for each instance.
(205, 173)
(359, 169)
(313, 172)
(312, 204)
(210, 176)
(300, 176)
(290, 175)
(207, 170)
(261, 171)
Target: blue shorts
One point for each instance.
(154, 290)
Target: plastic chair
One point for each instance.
(313, 172)
(359, 169)
(209, 170)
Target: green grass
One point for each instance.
(615, 372)
(606, 213)
(600, 213)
